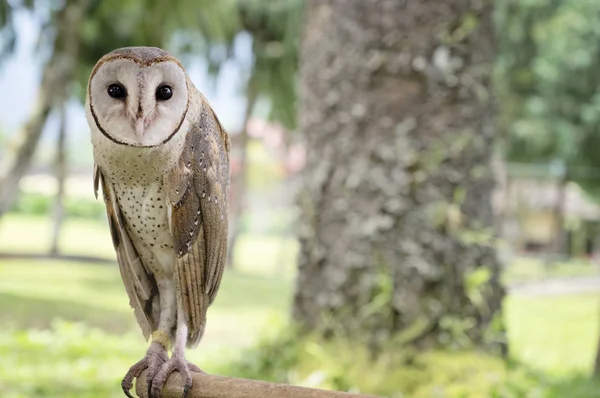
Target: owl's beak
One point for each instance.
(140, 127)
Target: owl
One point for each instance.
(162, 159)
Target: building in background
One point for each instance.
(534, 208)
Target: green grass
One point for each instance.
(31, 234)
(60, 318)
(530, 269)
(555, 334)
(34, 295)
(101, 339)
(266, 255)
(260, 255)
(68, 330)
(68, 360)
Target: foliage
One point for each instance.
(548, 83)
(274, 27)
(398, 372)
(275, 30)
(111, 24)
(67, 360)
(187, 27)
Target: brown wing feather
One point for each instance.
(139, 285)
(198, 190)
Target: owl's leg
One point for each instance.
(177, 361)
(157, 354)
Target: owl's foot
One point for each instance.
(156, 356)
(176, 363)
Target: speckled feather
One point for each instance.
(139, 284)
(198, 188)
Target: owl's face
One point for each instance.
(137, 103)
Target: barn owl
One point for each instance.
(162, 159)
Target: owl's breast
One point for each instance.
(144, 209)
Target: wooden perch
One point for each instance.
(210, 386)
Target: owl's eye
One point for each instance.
(164, 92)
(117, 91)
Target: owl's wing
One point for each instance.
(198, 193)
(139, 285)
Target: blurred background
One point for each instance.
(422, 201)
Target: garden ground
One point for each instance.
(68, 330)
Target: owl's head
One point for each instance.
(138, 96)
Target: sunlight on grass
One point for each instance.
(266, 255)
(33, 294)
(73, 359)
(556, 334)
(528, 269)
(260, 255)
(31, 234)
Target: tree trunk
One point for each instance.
(560, 246)
(61, 176)
(54, 89)
(396, 213)
(239, 183)
(597, 361)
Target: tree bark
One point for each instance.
(239, 183)
(596, 373)
(396, 211)
(54, 89)
(61, 175)
(560, 236)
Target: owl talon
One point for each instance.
(184, 368)
(194, 368)
(132, 373)
(156, 355)
(126, 391)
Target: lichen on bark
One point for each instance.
(396, 112)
